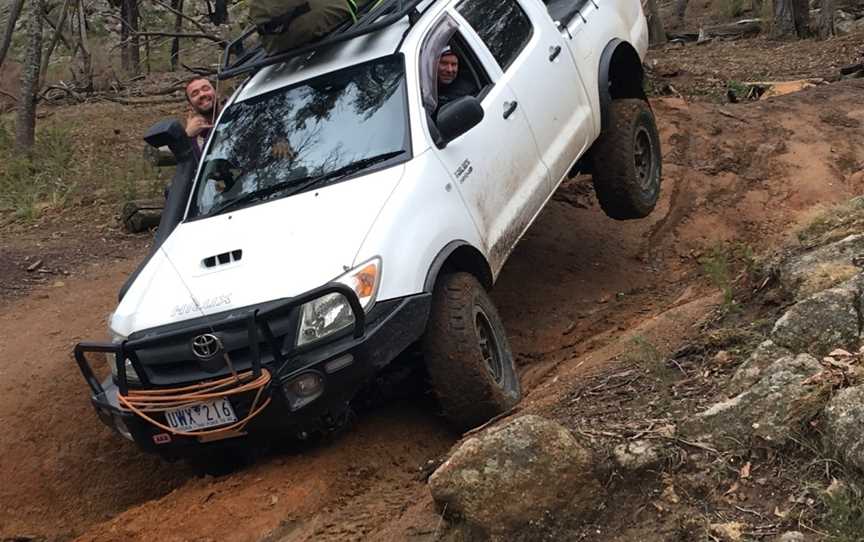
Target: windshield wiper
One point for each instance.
(302, 184)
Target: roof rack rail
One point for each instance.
(237, 59)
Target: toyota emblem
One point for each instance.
(206, 346)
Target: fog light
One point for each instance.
(303, 389)
(121, 427)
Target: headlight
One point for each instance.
(331, 313)
(131, 375)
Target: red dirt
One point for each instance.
(576, 291)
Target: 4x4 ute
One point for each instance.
(338, 216)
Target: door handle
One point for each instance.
(509, 108)
(554, 52)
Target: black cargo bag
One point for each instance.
(288, 24)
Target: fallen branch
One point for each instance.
(124, 101)
(4, 93)
(211, 37)
(199, 70)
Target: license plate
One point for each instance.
(201, 415)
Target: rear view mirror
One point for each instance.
(457, 117)
(170, 133)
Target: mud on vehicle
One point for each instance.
(338, 216)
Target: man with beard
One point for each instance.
(205, 108)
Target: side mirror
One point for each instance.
(170, 133)
(457, 117)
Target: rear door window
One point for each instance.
(502, 25)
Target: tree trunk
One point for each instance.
(58, 31)
(680, 10)
(826, 20)
(6, 37)
(130, 55)
(84, 47)
(25, 122)
(177, 5)
(656, 33)
(791, 18)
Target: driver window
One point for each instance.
(459, 73)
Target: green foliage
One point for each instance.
(723, 262)
(844, 516)
(717, 268)
(137, 179)
(30, 183)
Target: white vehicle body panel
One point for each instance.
(552, 94)
(290, 246)
(484, 189)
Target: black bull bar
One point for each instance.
(257, 325)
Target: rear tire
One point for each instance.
(626, 161)
(467, 354)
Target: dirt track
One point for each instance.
(578, 287)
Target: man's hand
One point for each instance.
(195, 124)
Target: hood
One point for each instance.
(268, 251)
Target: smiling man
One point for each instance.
(205, 107)
(450, 86)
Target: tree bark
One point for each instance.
(791, 18)
(25, 121)
(680, 10)
(6, 38)
(826, 20)
(177, 6)
(84, 47)
(656, 33)
(130, 52)
(58, 31)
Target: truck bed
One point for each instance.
(564, 10)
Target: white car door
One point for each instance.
(543, 76)
(496, 166)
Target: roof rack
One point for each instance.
(237, 59)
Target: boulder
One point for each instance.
(767, 414)
(822, 322)
(506, 477)
(822, 267)
(844, 418)
(749, 372)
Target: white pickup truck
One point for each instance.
(339, 217)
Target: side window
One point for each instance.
(502, 25)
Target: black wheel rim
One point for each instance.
(644, 159)
(489, 347)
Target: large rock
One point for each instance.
(823, 267)
(844, 417)
(822, 322)
(766, 414)
(508, 476)
(749, 372)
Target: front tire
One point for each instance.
(626, 161)
(467, 354)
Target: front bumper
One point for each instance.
(345, 363)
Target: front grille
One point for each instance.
(171, 362)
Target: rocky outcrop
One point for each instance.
(765, 414)
(749, 372)
(506, 477)
(822, 322)
(844, 418)
(823, 267)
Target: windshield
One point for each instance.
(304, 137)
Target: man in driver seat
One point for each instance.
(450, 85)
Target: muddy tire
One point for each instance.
(467, 354)
(626, 161)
